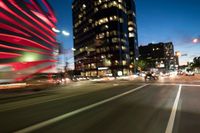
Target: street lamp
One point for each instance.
(65, 33)
(55, 30)
(130, 69)
(195, 40)
(73, 49)
(178, 53)
(135, 64)
(62, 32)
(177, 56)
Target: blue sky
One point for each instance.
(158, 21)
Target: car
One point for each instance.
(151, 76)
(189, 72)
(179, 72)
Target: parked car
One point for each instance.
(180, 72)
(189, 72)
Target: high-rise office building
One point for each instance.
(27, 43)
(105, 37)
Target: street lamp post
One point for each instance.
(130, 69)
(177, 55)
(135, 65)
(65, 33)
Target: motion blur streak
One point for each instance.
(27, 43)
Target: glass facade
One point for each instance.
(105, 35)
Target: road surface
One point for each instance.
(114, 107)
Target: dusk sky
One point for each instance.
(158, 21)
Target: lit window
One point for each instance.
(121, 20)
(106, 26)
(96, 10)
(123, 48)
(131, 35)
(105, 6)
(81, 49)
(102, 35)
(124, 62)
(90, 20)
(130, 23)
(107, 34)
(85, 29)
(114, 40)
(107, 62)
(98, 50)
(84, 6)
(116, 62)
(130, 28)
(93, 65)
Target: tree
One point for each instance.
(142, 64)
(196, 62)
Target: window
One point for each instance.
(84, 6)
(131, 35)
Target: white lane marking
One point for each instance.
(170, 124)
(12, 106)
(67, 115)
(32, 102)
(190, 85)
(115, 84)
(187, 85)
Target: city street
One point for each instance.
(99, 66)
(105, 107)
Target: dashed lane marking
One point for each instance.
(67, 115)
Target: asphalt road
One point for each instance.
(106, 108)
